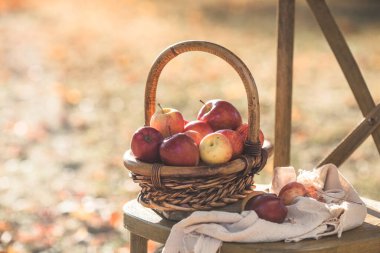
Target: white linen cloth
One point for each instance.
(204, 231)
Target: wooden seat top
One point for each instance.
(366, 238)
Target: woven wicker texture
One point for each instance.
(172, 188)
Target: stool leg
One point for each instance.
(345, 59)
(285, 43)
(138, 244)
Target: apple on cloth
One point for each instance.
(292, 190)
(307, 218)
(268, 207)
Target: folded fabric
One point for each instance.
(204, 231)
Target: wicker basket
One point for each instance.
(170, 188)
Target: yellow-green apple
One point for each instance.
(268, 207)
(199, 126)
(235, 139)
(220, 114)
(215, 148)
(145, 144)
(197, 137)
(243, 131)
(291, 191)
(179, 150)
(167, 121)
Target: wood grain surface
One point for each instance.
(138, 244)
(354, 139)
(285, 43)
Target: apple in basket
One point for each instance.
(235, 139)
(268, 207)
(145, 144)
(220, 114)
(291, 191)
(197, 137)
(215, 148)
(199, 126)
(167, 121)
(179, 150)
(243, 131)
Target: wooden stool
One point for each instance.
(144, 224)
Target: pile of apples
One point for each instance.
(271, 207)
(216, 137)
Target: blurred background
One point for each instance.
(72, 76)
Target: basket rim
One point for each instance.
(145, 169)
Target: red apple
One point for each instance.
(261, 137)
(197, 137)
(312, 192)
(199, 126)
(185, 122)
(179, 150)
(235, 139)
(167, 121)
(243, 131)
(268, 207)
(220, 114)
(290, 191)
(145, 144)
(215, 148)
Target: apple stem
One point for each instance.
(159, 105)
(200, 100)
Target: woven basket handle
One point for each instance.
(244, 73)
